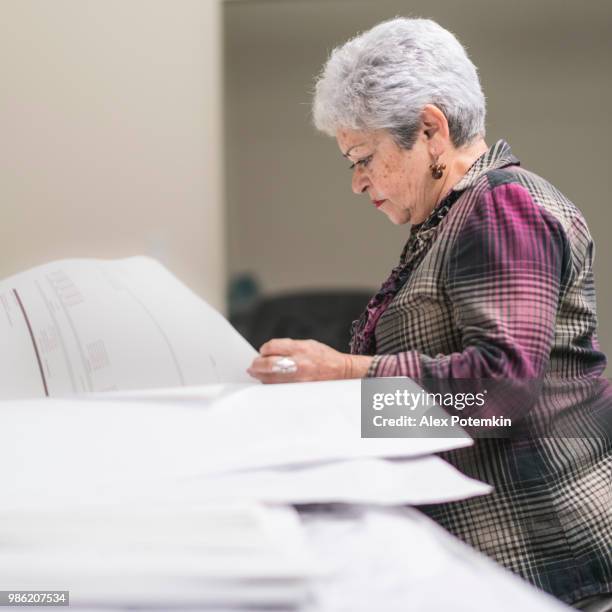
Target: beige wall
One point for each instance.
(545, 69)
(110, 134)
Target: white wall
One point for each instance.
(110, 134)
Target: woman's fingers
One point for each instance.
(276, 368)
(264, 365)
(287, 360)
(279, 346)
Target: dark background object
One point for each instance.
(325, 316)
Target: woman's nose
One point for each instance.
(359, 181)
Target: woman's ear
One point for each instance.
(429, 131)
(435, 124)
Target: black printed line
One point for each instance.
(25, 316)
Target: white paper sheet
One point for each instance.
(81, 325)
(306, 422)
(422, 480)
(288, 423)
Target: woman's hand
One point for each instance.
(285, 360)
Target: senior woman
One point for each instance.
(494, 283)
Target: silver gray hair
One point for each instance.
(382, 79)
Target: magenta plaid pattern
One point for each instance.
(504, 291)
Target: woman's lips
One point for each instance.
(378, 203)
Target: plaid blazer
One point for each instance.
(502, 288)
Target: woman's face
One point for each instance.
(397, 181)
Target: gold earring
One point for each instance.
(437, 170)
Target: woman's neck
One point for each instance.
(459, 163)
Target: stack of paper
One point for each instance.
(137, 499)
(222, 555)
(397, 559)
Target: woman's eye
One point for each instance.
(361, 162)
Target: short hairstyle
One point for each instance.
(382, 79)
